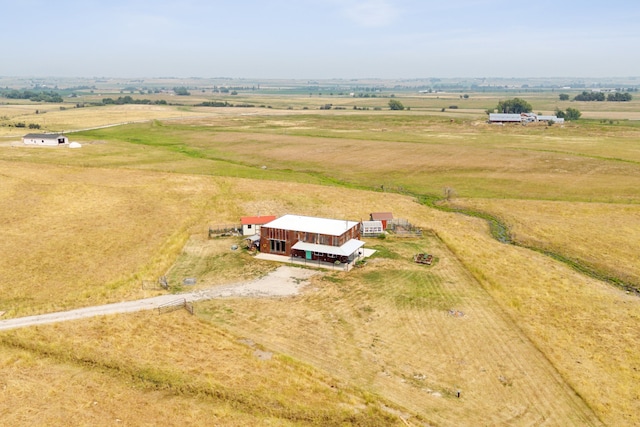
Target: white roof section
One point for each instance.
(554, 118)
(345, 250)
(367, 224)
(502, 117)
(44, 135)
(309, 224)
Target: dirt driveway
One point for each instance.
(284, 281)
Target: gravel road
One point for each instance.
(284, 281)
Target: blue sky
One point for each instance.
(315, 39)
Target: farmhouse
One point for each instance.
(311, 238)
(384, 217)
(52, 139)
(251, 224)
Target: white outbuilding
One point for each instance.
(50, 139)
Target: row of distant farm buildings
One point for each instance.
(522, 118)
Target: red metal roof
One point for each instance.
(257, 220)
(381, 216)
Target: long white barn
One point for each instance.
(51, 139)
(522, 118)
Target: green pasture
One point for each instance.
(387, 151)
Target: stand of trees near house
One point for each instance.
(514, 106)
(518, 106)
(570, 114)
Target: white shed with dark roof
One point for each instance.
(51, 139)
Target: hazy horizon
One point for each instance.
(321, 39)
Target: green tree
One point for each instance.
(619, 97)
(572, 114)
(394, 104)
(514, 106)
(564, 97)
(182, 91)
(589, 96)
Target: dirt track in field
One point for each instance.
(283, 282)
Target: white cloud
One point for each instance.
(371, 13)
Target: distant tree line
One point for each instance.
(619, 97)
(42, 96)
(129, 100)
(214, 104)
(590, 96)
(223, 104)
(599, 96)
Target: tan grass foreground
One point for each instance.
(537, 344)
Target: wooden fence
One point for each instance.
(161, 283)
(403, 228)
(225, 230)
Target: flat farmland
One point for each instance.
(391, 343)
(68, 118)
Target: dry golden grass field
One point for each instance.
(54, 119)
(599, 234)
(527, 340)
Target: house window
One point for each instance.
(249, 226)
(278, 246)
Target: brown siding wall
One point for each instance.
(290, 238)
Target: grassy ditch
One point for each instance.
(587, 270)
(501, 232)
